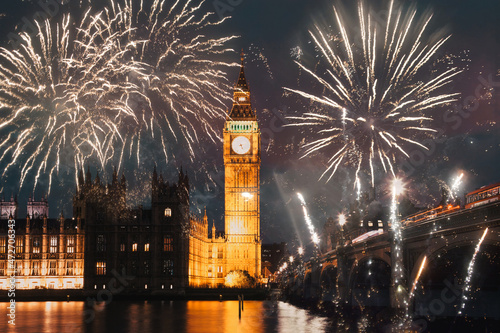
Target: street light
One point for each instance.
(301, 250)
(291, 259)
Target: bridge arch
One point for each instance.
(370, 282)
(328, 282)
(440, 288)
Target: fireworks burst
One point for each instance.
(91, 87)
(183, 69)
(62, 96)
(374, 105)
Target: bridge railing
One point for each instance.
(464, 217)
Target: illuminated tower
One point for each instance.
(242, 183)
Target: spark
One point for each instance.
(374, 101)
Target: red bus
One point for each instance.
(482, 196)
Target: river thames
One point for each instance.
(162, 316)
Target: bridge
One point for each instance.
(358, 274)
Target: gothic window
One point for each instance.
(19, 268)
(146, 247)
(69, 267)
(2, 268)
(3, 243)
(53, 244)
(52, 267)
(70, 244)
(219, 271)
(100, 268)
(168, 245)
(146, 268)
(35, 267)
(19, 245)
(36, 245)
(134, 247)
(220, 254)
(134, 267)
(168, 212)
(168, 267)
(123, 244)
(101, 243)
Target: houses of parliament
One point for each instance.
(162, 248)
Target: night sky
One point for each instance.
(268, 31)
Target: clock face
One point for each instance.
(241, 145)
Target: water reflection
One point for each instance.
(167, 316)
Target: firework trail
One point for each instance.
(374, 103)
(455, 186)
(412, 291)
(310, 226)
(91, 87)
(470, 271)
(397, 246)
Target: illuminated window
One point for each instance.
(70, 244)
(35, 268)
(241, 99)
(3, 242)
(53, 244)
(2, 268)
(122, 247)
(52, 267)
(36, 245)
(370, 223)
(168, 212)
(168, 245)
(19, 268)
(219, 271)
(220, 254)
(134, 247)
(146, 247)
(210, 272)
(69, 267)
(101, 243)
(19, 245)
(100, 268)
(380, 224)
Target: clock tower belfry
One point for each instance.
(242, 183)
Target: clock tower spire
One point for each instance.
(242, 182)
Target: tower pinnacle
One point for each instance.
(242, 108)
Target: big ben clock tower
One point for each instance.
(242, 183)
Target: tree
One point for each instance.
(239, 279)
